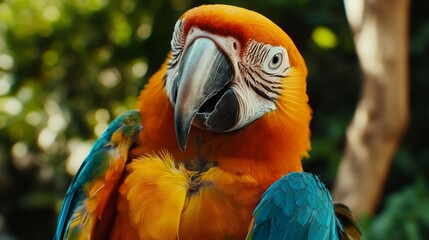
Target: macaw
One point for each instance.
(224, 118)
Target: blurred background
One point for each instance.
(68, 68)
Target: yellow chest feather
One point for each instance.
(160, 199)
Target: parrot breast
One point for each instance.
(167, 200)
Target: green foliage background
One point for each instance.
(67, 68)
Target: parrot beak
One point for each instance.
(203, 76)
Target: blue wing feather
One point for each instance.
(298, 206)
(95, 165)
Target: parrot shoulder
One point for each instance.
(87, 204)
(298, 205)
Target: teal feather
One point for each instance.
(99, 159)
(298, 206)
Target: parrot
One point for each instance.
(204, 155)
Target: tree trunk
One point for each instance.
(380, 29)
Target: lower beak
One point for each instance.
(203, 75)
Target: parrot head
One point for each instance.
(230, 67)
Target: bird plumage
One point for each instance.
(224, 117)
(299, 205)
(97, 179)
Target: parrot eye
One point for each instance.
(276, 61)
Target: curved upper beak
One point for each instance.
(204, 71)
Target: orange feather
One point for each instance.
(248, 161)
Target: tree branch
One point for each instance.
(380, 30)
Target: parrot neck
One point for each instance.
(266, 150)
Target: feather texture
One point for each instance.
(161, 199)
(298, 206)
(154, 181)
(92, 188)
(347, 220)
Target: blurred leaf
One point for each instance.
(419, 43)
(37, 199)
(405, 215)
(324, 37)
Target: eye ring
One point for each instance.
(275, 61)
